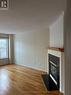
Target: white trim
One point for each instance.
(55, 53)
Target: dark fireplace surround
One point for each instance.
(51, 80)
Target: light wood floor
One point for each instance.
(18, 80)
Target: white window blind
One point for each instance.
(3, 48)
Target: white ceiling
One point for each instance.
(30, 15)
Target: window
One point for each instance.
(3, 48)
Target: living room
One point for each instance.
(30, 30)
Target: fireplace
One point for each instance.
(54, 78)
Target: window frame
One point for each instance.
(8, 47)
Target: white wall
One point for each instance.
(56, 32)
(31, 49)
(67, 45)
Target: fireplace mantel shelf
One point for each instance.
(56, 49)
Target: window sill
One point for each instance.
(4, 58)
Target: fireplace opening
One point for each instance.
(54, 69)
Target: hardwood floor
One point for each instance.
(18, 80)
